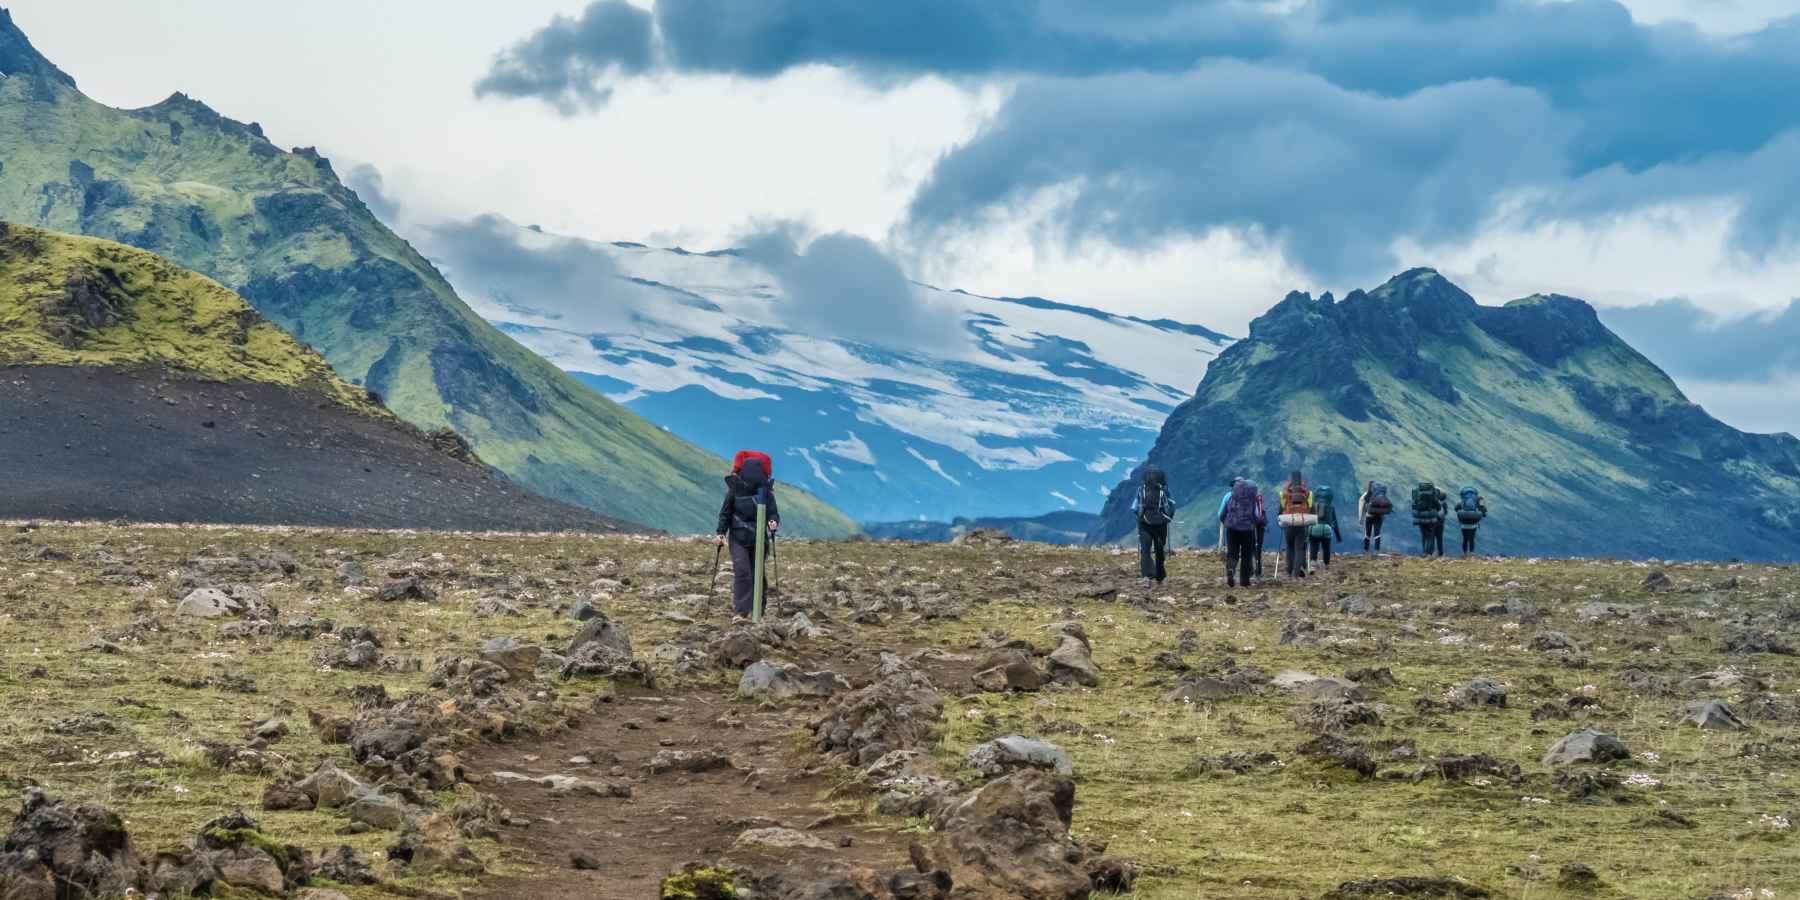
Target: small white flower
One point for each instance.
(1186, 815)
(1639, 779)
(1649, 756)
(1534, 800)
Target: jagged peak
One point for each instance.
(1422, 283)
(19, 57)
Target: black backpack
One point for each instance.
(757, 483)
(1154, 505)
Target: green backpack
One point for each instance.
(1322, 508)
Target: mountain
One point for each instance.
(136, 389)
(1031, 405)
(1580, 444)
(216, 196)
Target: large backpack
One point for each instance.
(1379, 504)
(1154, 505)
(1322, 507)
(752, 469)
(1294, 500)
(1468, 511)
(1427, 508)
(1240, 510)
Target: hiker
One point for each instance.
(1470, 510)
(750, 477)
(1297, 518)
(1238, 517)
(1373, 508)
(1155, 510)
(1428, 513)
(1224, 543)
(1321, 533)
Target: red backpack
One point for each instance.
(1294, 500)
(768, 465)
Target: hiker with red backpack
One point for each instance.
(1296, 520)
(749, 491)
(1373, 508)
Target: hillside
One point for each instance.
(136, 389)
(279, 228)
(1066, 527)
(1580, 444)
(1023, 406)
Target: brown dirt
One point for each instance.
(673, 819)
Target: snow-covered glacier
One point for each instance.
(1029, 407)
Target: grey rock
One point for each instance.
(331, 787)
(1554, 640)
(779, 839)
(1002, 755)
(763, 679)
(1074, 661)
(378, 811)
(603, 632)
(517, 658)
(256, 872)
(409, 588)
(1585, 746)
(1712, 715)
(1481, 692)
(206, 603)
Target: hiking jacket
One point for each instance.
(735, 488)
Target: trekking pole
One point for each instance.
(712, 584)
(762, 539)
(774, 570)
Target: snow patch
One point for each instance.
(817, 470)
(934, 466)
(851, 448)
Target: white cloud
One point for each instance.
(1064, 498)
(817, 470)
(1104, 464)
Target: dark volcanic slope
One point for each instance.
(86, 443)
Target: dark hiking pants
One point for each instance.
(1317, 546)
(1468, 540)
(1431, 534)
(1240, 546)
(1262, 532)
(1372, 530)
(1153, 544)
(743, 578)
(1296, 549)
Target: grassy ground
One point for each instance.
(111, 726)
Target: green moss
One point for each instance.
(77, 301)
(703, 883)
(250, 837)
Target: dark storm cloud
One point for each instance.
(565, 62)
(1163, 118)
(1688, 341)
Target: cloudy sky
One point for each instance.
(1190, 159)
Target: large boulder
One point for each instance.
(519, 659)
(899, 712)
(1073, 659)
(1585, 746)
(1010, 838)
(331, 787)
(60, 850)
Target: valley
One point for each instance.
(1383, 726)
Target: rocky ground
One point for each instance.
(374, 714)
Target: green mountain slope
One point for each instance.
(279, 228)
(1580, 444)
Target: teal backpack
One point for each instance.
(1322, 508)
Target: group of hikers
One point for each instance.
(1308, 518)
(1307, 515)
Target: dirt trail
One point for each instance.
(674, 818)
